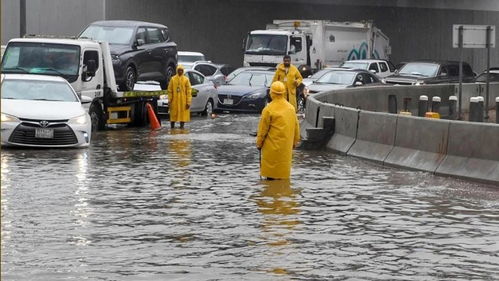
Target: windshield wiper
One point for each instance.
(45, 99)
(413, 73)
(17, 68)
(52, 69)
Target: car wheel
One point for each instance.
(208, 109)
(300, 103)
(130, 79)
(170, 71)
(96, 117)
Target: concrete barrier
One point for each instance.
(420, 143)
(346, 120)
(472, 152)
(375, 136)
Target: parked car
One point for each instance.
(187, 59)
(341, 79)
(382, 68)
(245, 92)
(204, 95)
(430, 72)
(216, 73)
(140, 51)
(42, 111)
(312, 78)
(247, 68)
(493, 75)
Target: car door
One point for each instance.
(383, 69)
(141, 57)
(157, 55)
(199, 96)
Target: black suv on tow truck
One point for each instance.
(141, 51)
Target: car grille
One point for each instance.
(25, 134)
(235, 99)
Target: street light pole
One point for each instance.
(22, 18)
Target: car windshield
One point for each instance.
(253, 79)
(18, 89)
(42, 58)
(319, 74)
(189, 58)
(337, 77)
(355, 65)
(111, 34)
(268, 44)
(420, 69)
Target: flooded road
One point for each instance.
(189, 205)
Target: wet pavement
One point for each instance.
(189, 205)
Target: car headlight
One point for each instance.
(255, 96)
(306, 91)
(9, 118)
(163, 97)
(79, 120)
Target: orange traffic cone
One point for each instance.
(153, 120)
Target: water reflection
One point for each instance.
(279, 207)
(181, 147)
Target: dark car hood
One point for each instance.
(407, 78)
(237, 90)
(117, 49)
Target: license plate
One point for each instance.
(228, 101)
(44, 133)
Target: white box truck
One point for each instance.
(89, 69)
(315, 44)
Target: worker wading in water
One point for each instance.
(278, 133)
(291, 77)
(179, 98)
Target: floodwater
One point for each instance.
(189, 205)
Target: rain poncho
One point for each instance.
(179, 96)
(291, 79)
(278, 134)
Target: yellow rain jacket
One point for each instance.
(179, 97)
(291, 79)
(278, 134)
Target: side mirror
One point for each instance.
(444, 74)
(139, 42)
(373, 71)
(292, 49)
(396, 72)
(358, 83)
(86, 99)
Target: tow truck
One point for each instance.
(87, 65)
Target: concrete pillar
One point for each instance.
(435, 104)
(475, 111)
(452, 107)
(422, 105)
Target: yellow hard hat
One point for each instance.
(278, 88)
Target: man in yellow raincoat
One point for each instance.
(179, 98)
(278, 133)
(291, 77)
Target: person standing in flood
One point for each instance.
(278, 133)
(291, 77)
(179, 98)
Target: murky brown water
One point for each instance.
(189, 205)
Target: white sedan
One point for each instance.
(42, 111)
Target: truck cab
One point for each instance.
(267, 47)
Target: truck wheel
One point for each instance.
(208, 109)
(96, 117)
(139, 114)
(130, 79)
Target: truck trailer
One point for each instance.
(315, 44)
